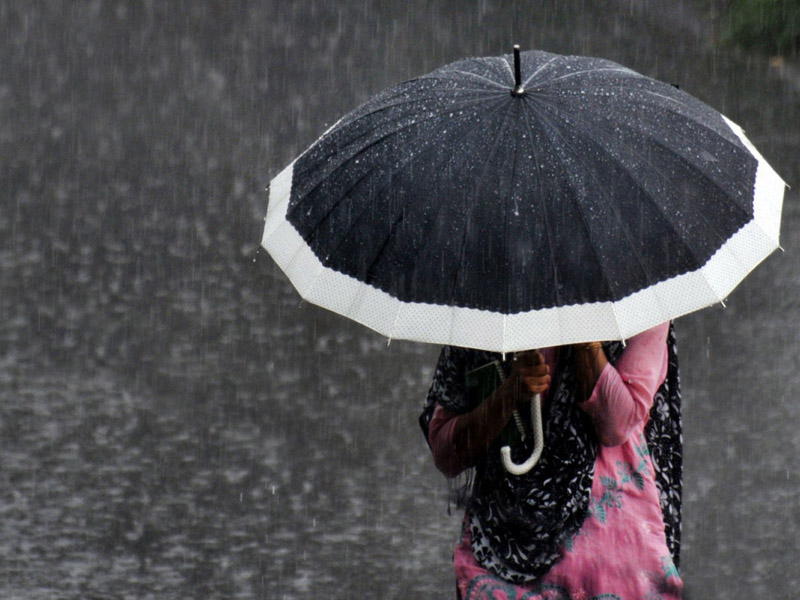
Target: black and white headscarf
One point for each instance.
(519, 523)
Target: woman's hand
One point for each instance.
(590, 360)
(531, 371)
(475, 431)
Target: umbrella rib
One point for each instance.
(506, 229)
(397, 131)
(714, 133)
(709, 224)
(703, 175)
(657, 170)
(476, 90)
(466, 135)
(601, 70)
(404, 115)
(507, 63)
(343, 165)
(359, 153)
(419, 95)
(489, 154)
(429, 146)
(701, 125)
(475, 75)
(441, 204)
(362, 149)
(577, 204)
(696, 122)
(544, 211)
(621, 221)
(539, 70)
(408, 113)
(669, 109)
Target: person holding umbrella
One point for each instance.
(600, 512)
(501, 204)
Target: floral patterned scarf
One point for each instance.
(519, 523)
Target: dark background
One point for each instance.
(176, 423)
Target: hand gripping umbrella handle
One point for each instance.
(538, 438)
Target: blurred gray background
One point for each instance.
(176, 423)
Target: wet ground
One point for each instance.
(175, 423)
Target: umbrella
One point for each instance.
(524, 201)
(586, 202)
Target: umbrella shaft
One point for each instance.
(518, 89)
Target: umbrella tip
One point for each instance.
(518, 89)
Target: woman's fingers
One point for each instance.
(532, 371)
(536, 378)
(535, 371)
(538, 384)
(529, 358)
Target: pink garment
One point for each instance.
(621, 549)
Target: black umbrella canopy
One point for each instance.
(581, 184)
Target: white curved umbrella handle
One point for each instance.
(538, 439)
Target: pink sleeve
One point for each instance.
(440, 438)
(624, 393)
